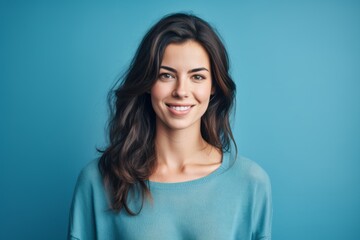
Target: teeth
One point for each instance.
(180, 108)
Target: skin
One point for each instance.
(180, 97)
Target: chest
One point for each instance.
(187, 215)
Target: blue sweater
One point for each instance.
(233, 202)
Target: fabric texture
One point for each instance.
(233, 202)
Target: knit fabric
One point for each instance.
(233, 202)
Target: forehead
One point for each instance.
(187, 55)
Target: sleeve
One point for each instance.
(262, 221)
(81, 219)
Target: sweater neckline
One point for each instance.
(225, 164)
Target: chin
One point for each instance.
(180, 125)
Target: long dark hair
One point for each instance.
(129, 159)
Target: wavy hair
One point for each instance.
(129, 159)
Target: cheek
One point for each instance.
(158, 92)
(204, 93)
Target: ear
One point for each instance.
(212, 90)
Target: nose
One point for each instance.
(181, 89)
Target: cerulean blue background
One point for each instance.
(297, 69)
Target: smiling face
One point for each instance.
(181, 94)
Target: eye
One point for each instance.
(198, 77)
(166, 76)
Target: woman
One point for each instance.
(171, 169)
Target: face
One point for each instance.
(181, 94)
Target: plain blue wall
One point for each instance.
(297, 69)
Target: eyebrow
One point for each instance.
(190, 71)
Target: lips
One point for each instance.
(179, 108)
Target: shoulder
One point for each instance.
(258, 188)
(252, 169)
(90, 170)
(88, 200)
(251, 172)
(89, 176)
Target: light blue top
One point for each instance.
(233, 202)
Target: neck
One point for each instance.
(176, 148)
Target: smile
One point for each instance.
(180, 108)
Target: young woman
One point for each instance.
(171, 170)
